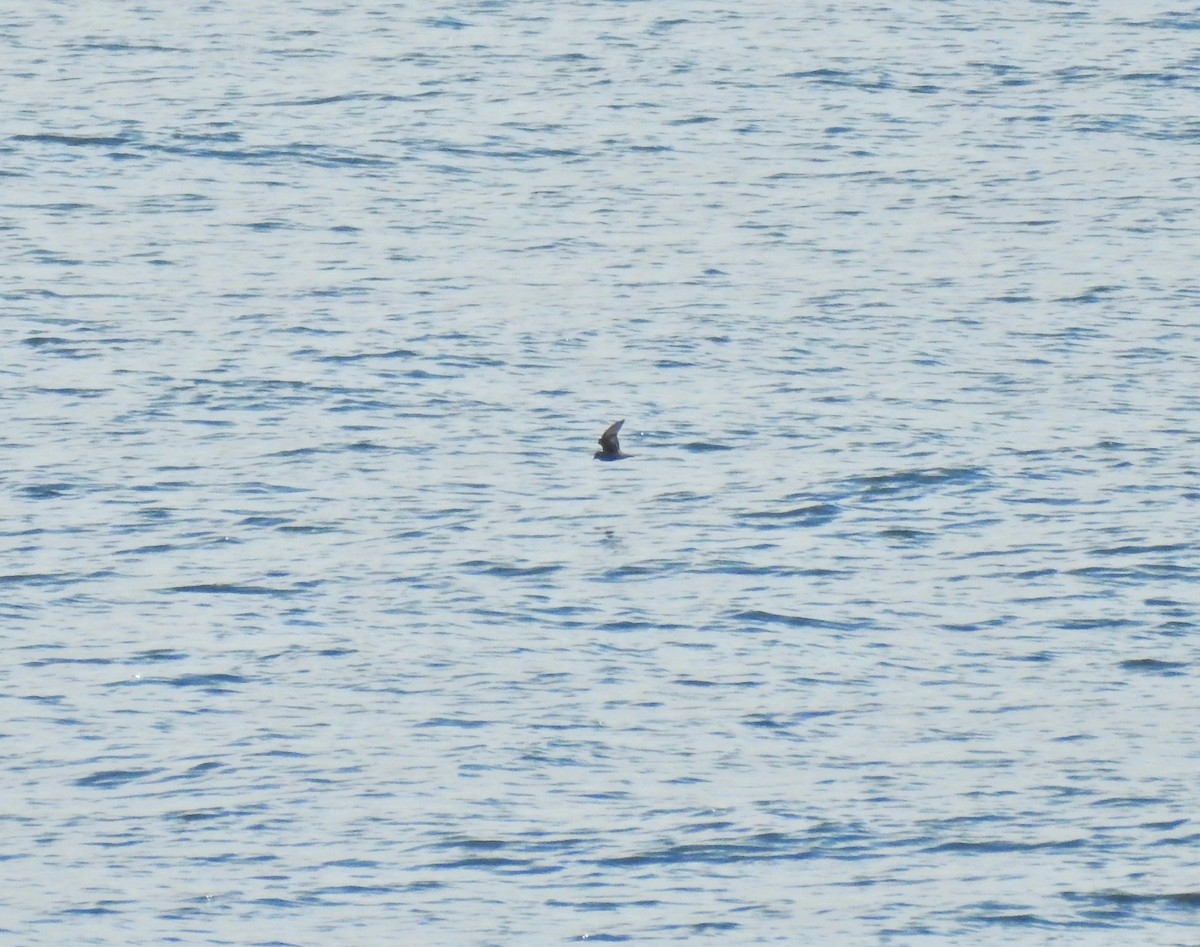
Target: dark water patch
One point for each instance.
(707, 927)
(791, 621)
(110, 778)
(733, 567)
(299, 452)
(637, 571)
(1005, 916)
(264, 521)
(199, 815)
(99, 910)
(210, 682)
(284, 754)
(336, 99)
(234, 858)
(764, 721)
(629, 624)
(420, 374)
(908, 536)
(226, 588)
(163, 485)
(817, 514)
(1188, 841)
(320, 156)
(1184, 21)
(472, 361)
(200, 769)
(352, 890)
(1096, 293)
(371, 356)
(1036, 657)
(502, 571)
(1155, 666)
(492, 863)
(683, 497)
(604, 905)
(1184, 900)
(1103, 573)
(55, 700)
(1138, 573)
(446, 23)
(468, 844)
(914, 481)
(215, 683)
(66, 207)
(766, 846)
(266, 226)
(704, 447)
(692, 120)
(48, 491)
(278, 904)
(309, 530)
(457, 723)
(1166, 826)
(1130, 802)
(126, 47)
(837, 77)
(1094, 624)
(51, 662)
(998, 846)
(261, 488)
(564, 611)
(1133, 550)
(148, 550)
(84, 393)
(696, 682)
(76, 141)
(362, 863)
(39, 579)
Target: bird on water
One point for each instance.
(610, 447)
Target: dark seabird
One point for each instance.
(610, 447)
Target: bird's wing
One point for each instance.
(608, 440)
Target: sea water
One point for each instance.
(322, 626)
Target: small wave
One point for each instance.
(792, 621)
(75, 140)
(503, 571)
(107, 778)
(704, 447)
(1171, 668)
(48, 491)
(1123, 899)
(228, 588)
(37, 578)
(216, 683)
(817, 514)
(916, 480)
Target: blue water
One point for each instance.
(321, 625)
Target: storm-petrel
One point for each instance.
(610, 447)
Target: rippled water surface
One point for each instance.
(321, 624)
